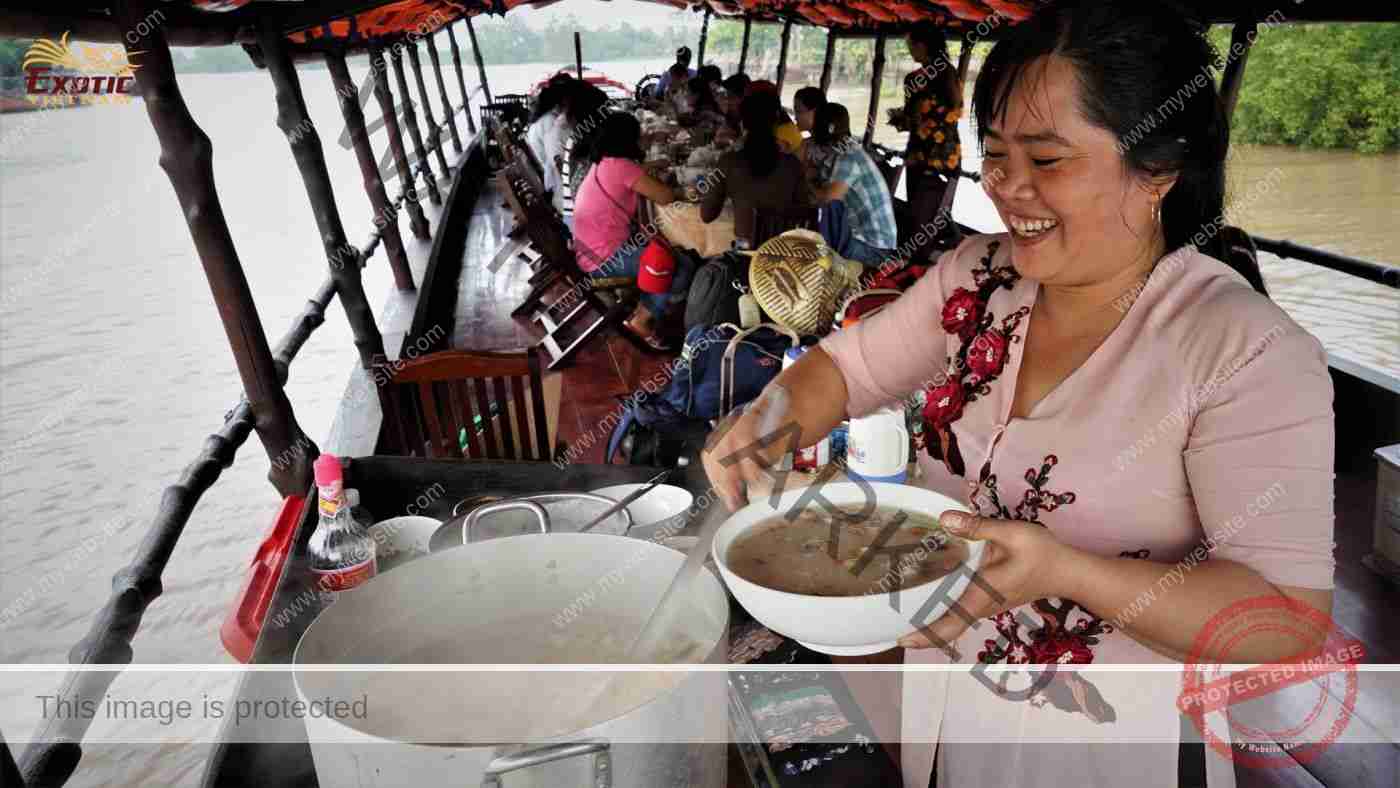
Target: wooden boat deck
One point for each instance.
(610, 367)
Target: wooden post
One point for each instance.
(385, 215)
(410, 121)
(344, 259)
(417, 222)
(704, 33)
(744, 47)
(964, 60)
(434, 130)
(442, 92)
(782, 57)
(828, 60)
(1240, 37)
(877, 70)
(480, 66)
(461, 80)
(187, 157)
(578, 53)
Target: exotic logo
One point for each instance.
(58, 73)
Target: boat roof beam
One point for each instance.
(704, 34)
(295, 122)
(434, 130)
(828, 60)
(385, 212)
(384, 96)
(451, 119)
(1241, 40)
(461, 80)
(744, 46)
(877, 72)
(410, 122)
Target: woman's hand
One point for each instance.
(1023, 563)
(735, 461)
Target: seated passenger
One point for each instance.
(587, 108)
(758, 176)
(549, 131)
(701, 104)
(607, 241)
(679, 71)
(789, 136)
(856, 182)
(817, 158)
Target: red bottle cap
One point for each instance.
(327, 468)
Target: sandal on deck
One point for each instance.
(652, 341)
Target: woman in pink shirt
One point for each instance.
(1145, 437)
(607, 242)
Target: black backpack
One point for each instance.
(715, 289)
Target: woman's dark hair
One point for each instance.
(710, 73)
(619, 136)
(758, 113)
(832, 124)
(555, 93)
(585, 102)
(932, 39)
(736, 84)
(810, 97)
(704, 99)
(1133, 61)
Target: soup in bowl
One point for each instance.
(850, 579)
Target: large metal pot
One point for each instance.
(507, 728)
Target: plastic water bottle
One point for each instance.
(341, 552)
(877, 446)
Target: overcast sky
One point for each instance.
(598, 13)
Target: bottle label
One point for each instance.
(332, 497)
(344, 578)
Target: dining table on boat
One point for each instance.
(821, 757)
(685, 155)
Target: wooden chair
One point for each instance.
(429, 401)
(578, 314)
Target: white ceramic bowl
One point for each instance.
(854, 624)
(399, 540)
(662, 511)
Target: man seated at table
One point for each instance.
(735, 87)
(679, 71)
(760, 176)
(870, 233)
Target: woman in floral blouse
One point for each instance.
(1145, 438)
(933, 103)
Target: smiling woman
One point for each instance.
(1054, 349)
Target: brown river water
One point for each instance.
(114, 367)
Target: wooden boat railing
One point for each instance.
(187, 157)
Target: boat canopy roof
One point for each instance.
(354, 24)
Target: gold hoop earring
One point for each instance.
(1157, 211)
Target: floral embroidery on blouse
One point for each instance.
(932, 123)
(1057, 640)
(981, 357)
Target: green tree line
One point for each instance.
(1320, 86)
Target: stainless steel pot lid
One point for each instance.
(567, 512)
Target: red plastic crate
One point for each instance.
(239, 632)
